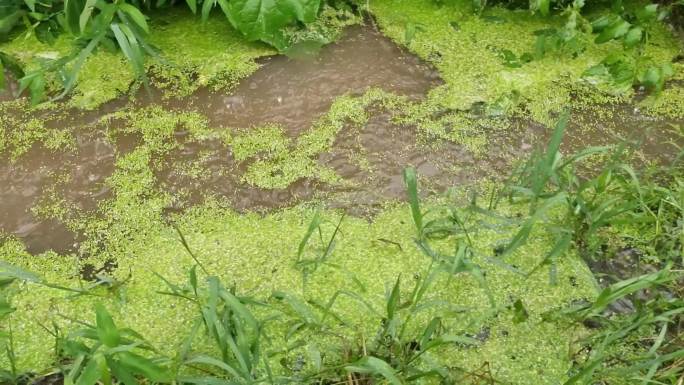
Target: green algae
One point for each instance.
(20, 131)
(282, 161)
(258, 254)
(195, 54)
(270, 141)
(157, 126)
(469, 58)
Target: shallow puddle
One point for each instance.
(294, 92)
(76, 176)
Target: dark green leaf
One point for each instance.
(90, 373)
(519, 312)
(8, 22)
(136, 15)
(614, 31)
(143, 366)
(264, 19)
(106, 329)
(633, 37)
(72, 13)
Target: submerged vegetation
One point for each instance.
(561, 265)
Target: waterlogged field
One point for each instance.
(256, 217)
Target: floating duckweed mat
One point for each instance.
(259, 254)
(195, 54)
(468, 50)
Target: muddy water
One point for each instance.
(293, 93)
(76, 176)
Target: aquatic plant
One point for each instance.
(112, 357)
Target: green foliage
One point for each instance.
(113, 353)
(655, 325)
(121, 25)
(9, 275)
(265, 19)
(630, 25)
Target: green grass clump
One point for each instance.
(245, 249)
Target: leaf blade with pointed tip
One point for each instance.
(106, 329)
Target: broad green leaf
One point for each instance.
(264, 19)
(633, 37)
(90, 374)
(647, 13)
(375, 366)
(106, 329)
(8, 22)
(614, 31)
(136, 15)
(46, 32)
(72, 14)
(603, 22)
(192, 4)
(143, 366)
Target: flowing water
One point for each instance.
(292, 93)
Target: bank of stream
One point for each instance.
(241, 171)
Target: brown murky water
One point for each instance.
(77, 176)
(294, 94)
